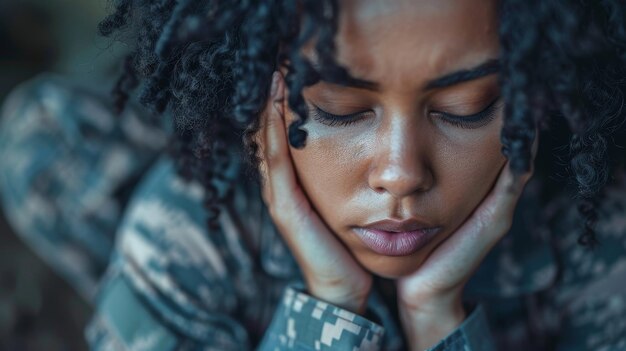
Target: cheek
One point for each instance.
(328, 171)
(467, 172)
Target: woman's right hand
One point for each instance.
(330, 271)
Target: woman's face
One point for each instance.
(402, 154)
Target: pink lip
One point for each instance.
(396, 243)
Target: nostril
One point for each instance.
(380, 190)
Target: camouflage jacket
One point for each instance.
(97, 198)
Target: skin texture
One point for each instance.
(402, 160)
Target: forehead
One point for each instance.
(406, 42)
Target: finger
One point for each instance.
(285, 192)
(499, 205)
(260, 137)
(517, 182)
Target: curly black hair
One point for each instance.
(208, 64)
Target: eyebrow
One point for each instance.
(484, 69)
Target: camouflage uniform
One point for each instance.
(68, 168)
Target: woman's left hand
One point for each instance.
(430, 299)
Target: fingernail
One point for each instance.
(274, 87)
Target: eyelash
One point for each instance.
(472, 121)
(336, 120)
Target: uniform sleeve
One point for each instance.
(302, 322)
(169, 286)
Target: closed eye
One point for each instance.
(337, 120)
(475, 120)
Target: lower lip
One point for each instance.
(396, 243)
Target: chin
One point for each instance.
(392, 267)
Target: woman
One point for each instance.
(393, 143)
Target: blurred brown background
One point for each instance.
(38, 310)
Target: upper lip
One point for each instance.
(389, 225)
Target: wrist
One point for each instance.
(431, 322)
(353, 301)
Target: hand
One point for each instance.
(430, 298)
(330, 271)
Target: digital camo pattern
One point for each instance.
(302, 321)
(68, 166)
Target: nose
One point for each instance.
(400, 164)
